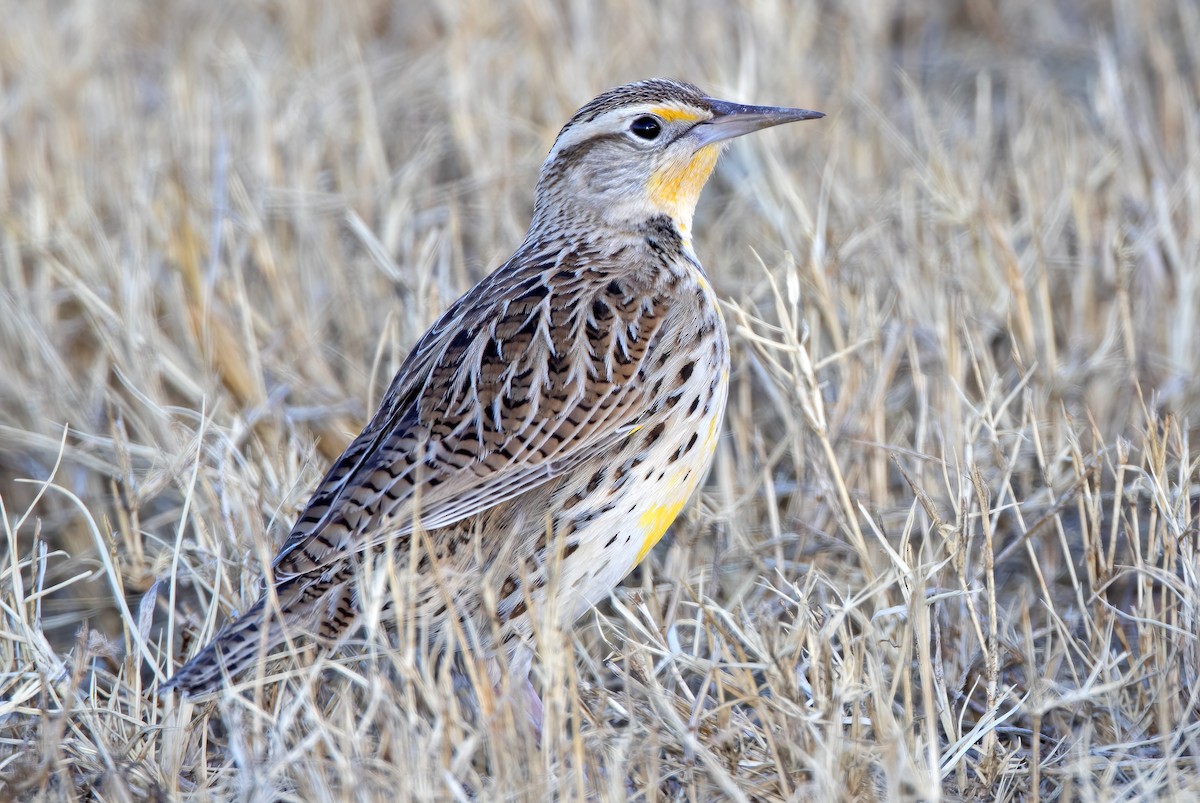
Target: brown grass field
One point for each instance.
(948, 549)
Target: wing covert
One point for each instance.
(514, 386)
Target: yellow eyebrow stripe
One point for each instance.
(673, 114)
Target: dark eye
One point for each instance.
(646, 127)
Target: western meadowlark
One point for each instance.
(556, 418)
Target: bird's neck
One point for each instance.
(588, 229)
(653, 243)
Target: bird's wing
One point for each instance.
(532, 373)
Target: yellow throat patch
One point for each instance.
(676, 187)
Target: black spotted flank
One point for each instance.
(654, 434)
(596, 481)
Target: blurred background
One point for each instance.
(964, 309)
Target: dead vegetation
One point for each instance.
(948, 547)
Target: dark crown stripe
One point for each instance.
(654, 90)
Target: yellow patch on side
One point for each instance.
(673, 114)
(710, 440)
(656, 520)
(676, 187)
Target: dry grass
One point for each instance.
(948, 547)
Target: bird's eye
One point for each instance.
(646, 127)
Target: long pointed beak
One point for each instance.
(731, 120)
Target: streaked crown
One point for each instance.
(640, 151)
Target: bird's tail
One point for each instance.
(233, 650)
(305, 608)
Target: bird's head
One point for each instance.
(643, 150)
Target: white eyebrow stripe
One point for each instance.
(670, 111)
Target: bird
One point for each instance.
(544, 433)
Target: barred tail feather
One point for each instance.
(323, 608)
(234, 649)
